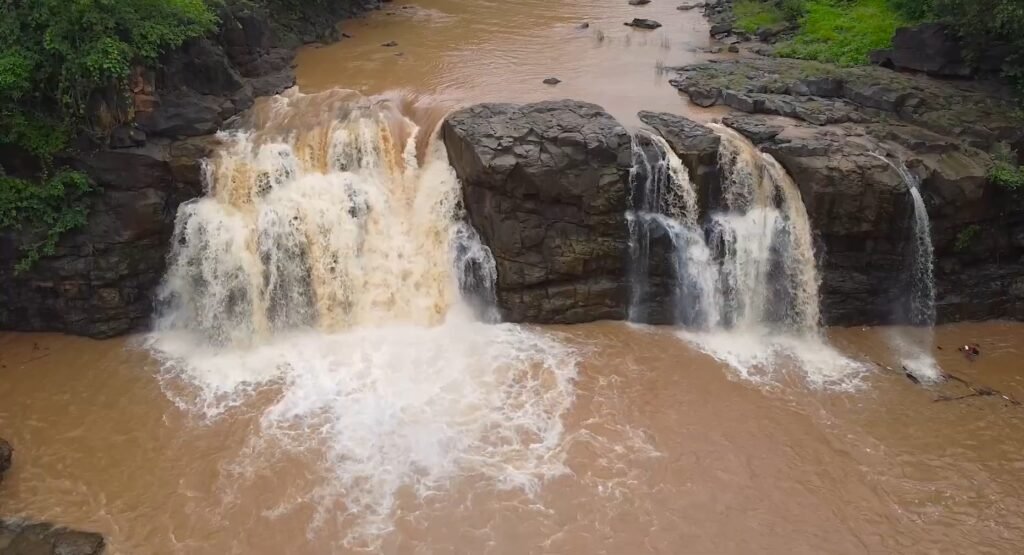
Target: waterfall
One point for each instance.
(921, 285)
(329, 284)
(330, 226)
(746, 281)
(914, 346)
(765, 235)
(663, 201)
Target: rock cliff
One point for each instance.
(823, 124)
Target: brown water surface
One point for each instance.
(664, 449)
(668, 454)
(462, 51)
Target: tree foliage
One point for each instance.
(54, 54)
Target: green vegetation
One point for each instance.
(843, 33)
(54, 56)
(752, 15)
(966, 238)
(53, 205)
(1005, 172)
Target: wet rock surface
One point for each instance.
(640, 23)
(17, 538)
(101, 279)
(6, 456)
(823, 124)
(545, 185)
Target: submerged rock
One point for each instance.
(640, 23)
(639, 2)
(46, 539)
(552, 81)
(6, 455)
(545, 185)
(389, 44)
(686, 7)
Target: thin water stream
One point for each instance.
(325, 376)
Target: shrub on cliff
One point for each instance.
(54, 54)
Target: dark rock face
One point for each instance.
(931, 48)
(100, 280)
(696, 145)
(546, 186)
(6, 454)
(46, 539)
(822, 124)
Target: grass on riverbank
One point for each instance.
(842, 32)
(752, 15)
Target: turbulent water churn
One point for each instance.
(329, 264)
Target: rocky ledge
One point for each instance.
(547, 186)
(145, 158)
(824, 123)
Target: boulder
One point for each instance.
(546, 186)
(639, 2)
(640, 23)
(932, 48)
(47, 539)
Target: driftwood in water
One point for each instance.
(975, 391)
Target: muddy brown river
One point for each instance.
(394, 436)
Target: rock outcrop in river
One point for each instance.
(545, 184)
(101, 279)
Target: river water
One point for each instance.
(380, 415)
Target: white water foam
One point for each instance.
(764, 356)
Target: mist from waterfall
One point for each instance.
(918, 307)
(329, 271)
(751, 263)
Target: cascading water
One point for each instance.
(919, 311)
(753, 265)
(328, 263)
(663, 201)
